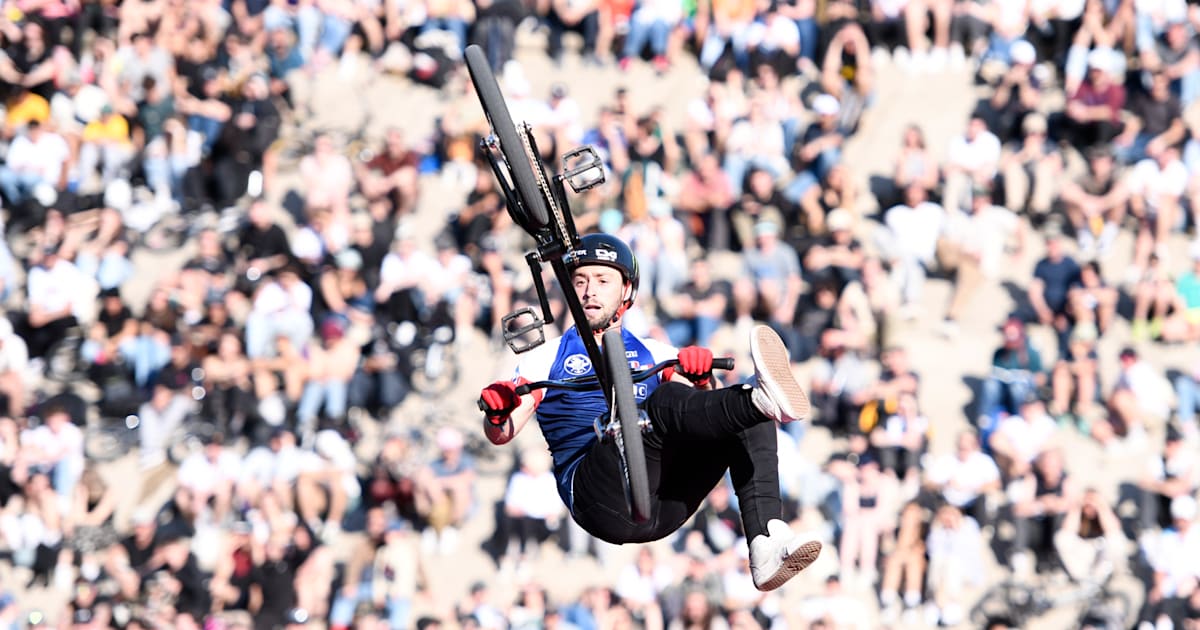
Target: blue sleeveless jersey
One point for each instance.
(567, 417)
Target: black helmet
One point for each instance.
(606, 249)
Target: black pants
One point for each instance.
(588, 27)
(40, 340)
(697, 436)
(1037, 535)
(887, 33)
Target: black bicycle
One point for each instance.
(1098, 604)
(538, 204)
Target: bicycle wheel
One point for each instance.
(534, 216)
(108, 441)
(1008, 602)
(625, 408)
(1113, 611)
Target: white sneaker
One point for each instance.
(777, 556)
(777, 394)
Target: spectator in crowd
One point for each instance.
(964, 479)
(905, 566)
(1156, 122)
(14, 364)
(210, 474)
(915, 164)
(839, 383)
(1169, 556)
(1092, 300)
(1096, 202)
(1157, 186)
(972, 163)
(1157, 306)
(955, 548)
(1092, 115)
(1174, 473)
(36, 158)
(1090, 542)
(1053, 277)
(1046, 493)
(1031, 172)
(772, 282)
(1075, 378)
(695, 312)
(864, 498)
(1017, 373)
(901, 441)
(974, 246)
(1017, 94)
(913, 230)
(1140, 400)
(445, 491)
(532, 512)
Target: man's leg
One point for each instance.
(690, 465)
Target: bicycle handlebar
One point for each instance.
(585, 383)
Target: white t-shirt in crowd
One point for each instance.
(413, 270)
(1027, 437)
(1177, 556)
(985, 233)
(635, 587)
(1182, 465)
(44, 157)
(64, 447)
(980, 156)
(1153, 392)
(202, 475)
(14, 354)
(273, 298)
(264, 466)
(963, 480)
(535, 496)
(916, 230)
(1154, 183)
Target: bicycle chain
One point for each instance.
(540, 175)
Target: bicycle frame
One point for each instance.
(554, 242)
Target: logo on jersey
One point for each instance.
(577, 364)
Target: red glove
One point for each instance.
(498, 400)
(695, 364)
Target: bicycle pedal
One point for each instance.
(516, 336)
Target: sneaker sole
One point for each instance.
(796, 562)
(774, 365)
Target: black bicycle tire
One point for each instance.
(999, 598)
(535, 214)
(625, 408)
(114, 442)
(1125, 604)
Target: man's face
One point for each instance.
(600, 289)
(966, 446)
(915, 195)
(56, 421)
(1054, 248)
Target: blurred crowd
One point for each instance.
(245, 379)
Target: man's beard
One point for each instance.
(601, 320)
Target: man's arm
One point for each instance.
(511, 425)
(1037, 299)
(1171, 136)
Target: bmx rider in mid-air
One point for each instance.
(697, 432)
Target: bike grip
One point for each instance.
(723, 363)
(522, 389)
